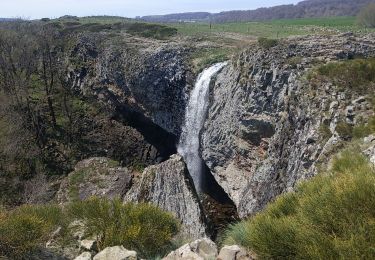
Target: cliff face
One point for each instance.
(263, 131)
(140, 77)
(169, 186)
(262, 134)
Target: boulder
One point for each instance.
(98, 176)
(233, 253)
(197, 250)
(84, 256)
(116, 253)
(169, 186)
(88, 244)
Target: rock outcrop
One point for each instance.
(116, 253)
(197, 250)
(263, 130)
(97, 176)
(370, 149)
(233, 253)
(84, 256)
(169, 186)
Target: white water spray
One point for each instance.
(195, 117)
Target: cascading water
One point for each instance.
(195, 116)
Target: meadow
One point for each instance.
(275, 28)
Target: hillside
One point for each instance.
(304, 9)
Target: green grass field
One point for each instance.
(275, 28)
(270, 29)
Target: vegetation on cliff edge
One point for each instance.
(330, 217)
(26, 229)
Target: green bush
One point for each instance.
(330, 217)
(27, 228)
(267, 43)
(364, 130)
(294, 61)
(344, 130)
(325, 132)
(357, 75)
(151, 30)
(140, 227)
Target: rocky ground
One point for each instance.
(197, 250)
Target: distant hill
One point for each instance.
(7, 19)
(197, 16)
(307, 8)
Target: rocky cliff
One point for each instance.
(141, 77)
(263, 130)
(262, 135)
(169, 186)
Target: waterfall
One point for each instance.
(195, 117)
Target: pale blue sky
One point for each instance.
(128, 8)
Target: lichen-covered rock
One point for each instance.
(116, 253)
(95, 177)
(197, 250)
(263, 131)
(169, 186)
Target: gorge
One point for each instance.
(211, 139)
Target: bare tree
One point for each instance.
(49, 68)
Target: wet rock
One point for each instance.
(169, 186)
(198, 250)
(95, 177)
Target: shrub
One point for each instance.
(267, 43)
(357, 75)
(344, 130)
(364, 130)
(330, 217)
(141, 227)
(151, 30)
(27, 228)
(367, 16)
(325, 132)
(294, 61)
